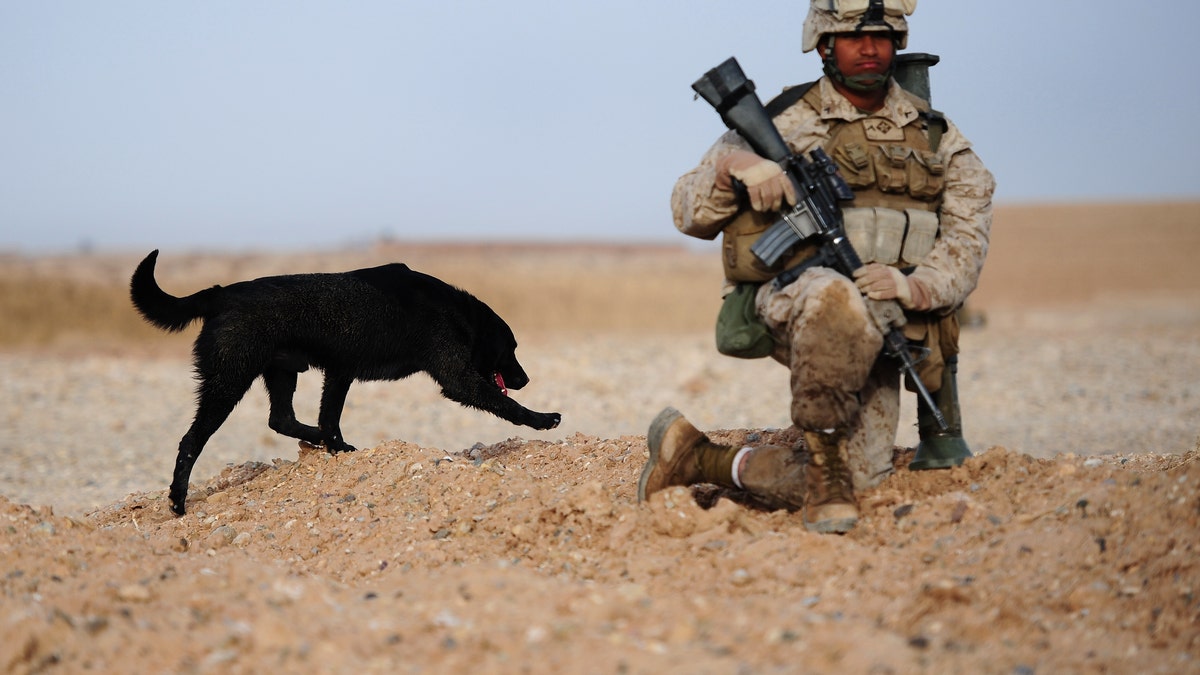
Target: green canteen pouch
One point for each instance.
(740, 333)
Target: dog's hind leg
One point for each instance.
(217, 397)
(329, 419)
(281, 388)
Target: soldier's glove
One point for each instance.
(882, 282)
(766, 184)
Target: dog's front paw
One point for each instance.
(543, 421)
(336, 446)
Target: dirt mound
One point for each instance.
(533, 556)
(1056, 550)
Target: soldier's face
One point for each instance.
(866, 53)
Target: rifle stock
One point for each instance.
(727, 89)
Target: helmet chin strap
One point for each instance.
(866, 82)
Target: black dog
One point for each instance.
(382, 323)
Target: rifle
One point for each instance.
(819, 191)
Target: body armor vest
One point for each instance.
(898, 180)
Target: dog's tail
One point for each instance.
(161, 308)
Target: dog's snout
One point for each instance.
(515, 377)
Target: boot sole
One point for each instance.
(654, 436)
(832, 524)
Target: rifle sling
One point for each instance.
(782, 102)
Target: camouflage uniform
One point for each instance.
(820, 321)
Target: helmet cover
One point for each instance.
(827, 17)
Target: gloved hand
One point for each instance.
(766, 185)
(883, 282)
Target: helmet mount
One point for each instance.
(873, 16)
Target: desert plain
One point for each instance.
(454, 542)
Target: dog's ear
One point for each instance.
(494, 343)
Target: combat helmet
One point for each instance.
(828, 17)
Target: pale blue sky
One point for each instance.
(236, 124)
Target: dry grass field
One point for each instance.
(1092, 255)
(56, 301)
(1042, 257)
(452, 542)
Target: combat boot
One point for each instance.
(773, 476)
(940, 449)
(681, 455)
(831, 506)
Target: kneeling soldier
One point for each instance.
(920, 221)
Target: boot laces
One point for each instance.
(837, 474)
(837, 484)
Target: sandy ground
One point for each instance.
(451, 541)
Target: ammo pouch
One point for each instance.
(740, 333)
(890, 236)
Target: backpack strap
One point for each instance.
(935, 126)
(777, 105)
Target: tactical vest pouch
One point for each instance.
(889, 235)
(736, 239)
(891, 168)
(926, 175)
(877, 234)
(860, 225)
(739, 261)
(922, 231)
(855, 165)
(740, 332)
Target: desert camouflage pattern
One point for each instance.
(820, 322)
(950, 271)
(831, 346)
